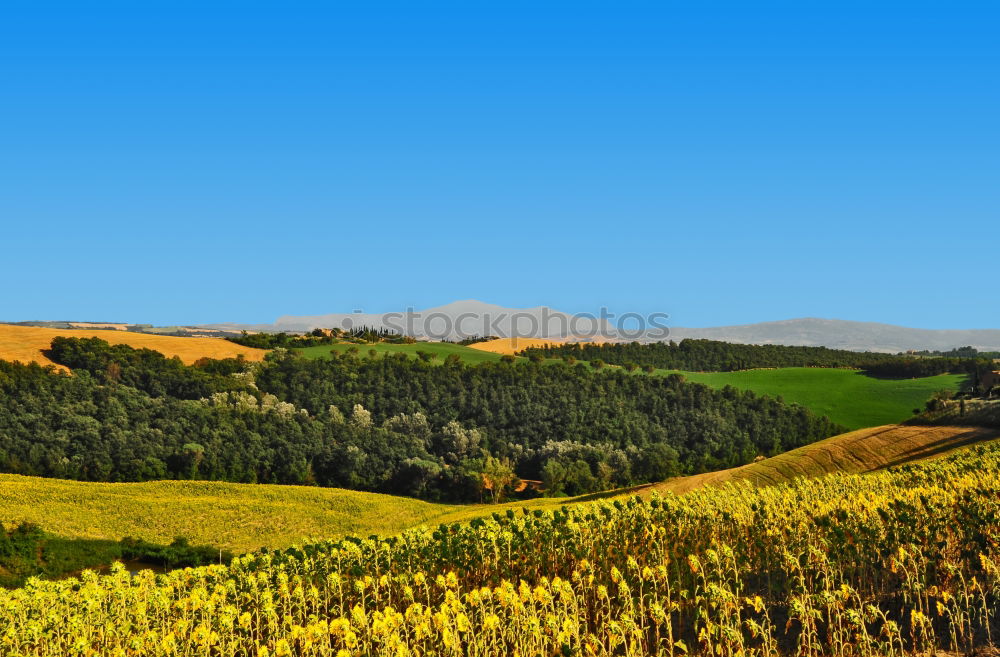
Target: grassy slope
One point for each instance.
(25, 343)
(845, 396)
(238, 517)
(242, 517)
(855, 452)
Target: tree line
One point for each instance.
(389, 424)
(716, 356)
(960, 352)
(285, 340)
(319, 337)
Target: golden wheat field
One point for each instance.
(510, 346)
(26, 343)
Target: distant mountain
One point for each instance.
(454, 320)
(468, 318)
(841, 334)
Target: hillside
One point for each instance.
(237, 517)
(847, 397)
(855, 452)
(830, 565)
(26, 344)
(242, 517)
(391, 425)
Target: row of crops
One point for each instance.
(898, 562)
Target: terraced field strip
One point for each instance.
(858, 451)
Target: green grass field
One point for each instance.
(845, 396)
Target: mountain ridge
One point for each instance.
(469, 317)
(846, 334)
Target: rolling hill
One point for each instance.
(243, 517)
(237, 517)
(855, 452)
(567, 582)
(26, 344)
(846, 396)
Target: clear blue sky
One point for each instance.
(175, 162)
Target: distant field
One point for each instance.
(511, 345)
(845, 396)
(25, 343)
(441, 349)
(178, 329)
(238, 517)
(98, 325)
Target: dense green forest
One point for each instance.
(551, 418)
(715, 356)
(146, 369)
(390, 424)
